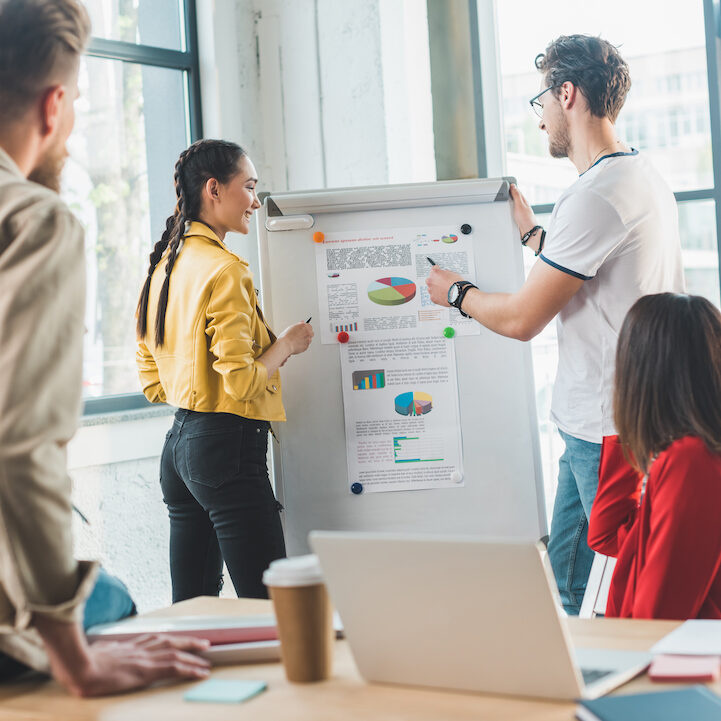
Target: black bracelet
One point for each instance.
(527, 236)
(543, 240)
(461, 297)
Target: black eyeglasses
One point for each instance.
(538, 107)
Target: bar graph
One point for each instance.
(367, 380)
(413, 449)
(347, 327)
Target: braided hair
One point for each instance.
(203, 160)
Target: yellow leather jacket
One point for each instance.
(214, 334)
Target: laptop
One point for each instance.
(461, 613)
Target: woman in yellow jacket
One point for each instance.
(205, 348)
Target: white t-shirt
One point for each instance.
(617, 228)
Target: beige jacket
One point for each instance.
(42, 304)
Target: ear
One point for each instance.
(568, 95)
(212, 188)
(50, 108)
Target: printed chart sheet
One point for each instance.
(372, 283)
(402, 420)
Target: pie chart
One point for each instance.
(451, 238)
(392, 291)
(414, 403)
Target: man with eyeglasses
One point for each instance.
(613, 237)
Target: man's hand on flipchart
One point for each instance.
(438, 282)
(522, 211)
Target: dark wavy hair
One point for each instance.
(594, 66)
(203, 160)
(668, 375)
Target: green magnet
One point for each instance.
(449, 332)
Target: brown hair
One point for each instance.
(668, 375)
(40, 43)
(203, 160)
(594, 66)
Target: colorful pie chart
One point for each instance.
(414, 403)
(449, 238)
(392, 291)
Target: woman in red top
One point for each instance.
(665, 532)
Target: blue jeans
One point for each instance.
(108, 601)
(568, 550)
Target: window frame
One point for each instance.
(187, 61)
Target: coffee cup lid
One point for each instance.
(295, 571)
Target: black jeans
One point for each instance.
(214, 477)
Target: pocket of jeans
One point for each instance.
(213, 457)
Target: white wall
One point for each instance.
(322, 93)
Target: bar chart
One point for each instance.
(366, 380)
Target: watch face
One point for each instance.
(453, 294)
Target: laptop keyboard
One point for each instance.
(593, 674)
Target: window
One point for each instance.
(139, 108)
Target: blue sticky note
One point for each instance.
(224, 691)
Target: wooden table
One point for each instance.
(345, 697)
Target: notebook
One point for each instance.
(216, 629)
(695, 703)
(461, 613)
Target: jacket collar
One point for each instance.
(9, 165)
(201, 229)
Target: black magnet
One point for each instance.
(466, 229)
(356, 488)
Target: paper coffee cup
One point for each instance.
(304, 616)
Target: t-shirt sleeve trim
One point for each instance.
(564, 270)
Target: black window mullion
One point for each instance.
(193, 71)
(682, 196)
(143, 54)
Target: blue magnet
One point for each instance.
(356, 488)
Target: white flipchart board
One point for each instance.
(503, 491)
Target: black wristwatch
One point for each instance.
(457, 292)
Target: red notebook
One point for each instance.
(216, 629)
(669, 667)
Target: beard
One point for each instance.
(559, 142)
(48, 171)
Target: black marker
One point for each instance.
(308, 321)
(430, 261)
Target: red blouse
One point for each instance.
(668, 548)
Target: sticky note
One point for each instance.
(224, 691)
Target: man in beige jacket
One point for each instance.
(42, 301)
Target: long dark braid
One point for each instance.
(203, 160)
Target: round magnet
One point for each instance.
(466, 229)
(356, 488)
(343, 337)
(456, 477)
(449, 332)
(318, 237)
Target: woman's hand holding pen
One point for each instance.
(293, 340)
(297, 337)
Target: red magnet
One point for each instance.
(343, 337)
(318, 237)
